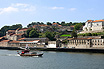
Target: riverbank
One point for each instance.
(59, 49)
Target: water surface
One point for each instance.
(9, 59)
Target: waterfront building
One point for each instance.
(85, 43)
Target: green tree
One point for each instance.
(4, 29)
(50, 35)
(14, 27)
(27, 32)
(63, 23)
(48, 23)
(78, 26)
(73, 34)
(33, 34)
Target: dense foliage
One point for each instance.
(73, 34)
(6, 28)
(33, 34)
(78, 26)
(63, 23)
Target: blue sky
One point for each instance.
(25, 11)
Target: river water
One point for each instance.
(9, 59)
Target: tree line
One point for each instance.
(63, 23)
(6, 28)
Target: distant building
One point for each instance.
(92, 25)
(16, 34)
(85, 43)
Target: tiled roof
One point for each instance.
(98, 21)
(11, 30)
(89, 20)
(21, 38)
(59, 25)
(72, 26)
(4, 40)
(95, 21)
(14, 41)
(1, 37)
(23, 41)
(43, 25)
(54, 24)
(24, 29)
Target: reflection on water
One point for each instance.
(51, 60)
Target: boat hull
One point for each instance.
(30, 54)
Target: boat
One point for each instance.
(30, 53)
(26, 52)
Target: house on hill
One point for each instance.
(92, 25)
(16, 34)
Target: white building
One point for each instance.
(92, 25)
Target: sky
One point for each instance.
(27, 11)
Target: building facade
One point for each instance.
(85, 43)
(16, 34)
(92, 25)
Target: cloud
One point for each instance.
(55, 8)
(8, 10)
(18, 7)
(72, 9)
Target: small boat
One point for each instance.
(30, 54)
(26, 52)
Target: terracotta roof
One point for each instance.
(21, 38)
(11, 34)
(14, 41)
(29, 41)
(59, 25)
(24, 29)
(95, 21)
(11, 30)
(43, 25)
(34, 26)
(22, 41)
(4, 40)
(72, 26)
(89, 20)
(1, 37)
(70, 38)
(98, 21)
(4, 36)
(54, 24)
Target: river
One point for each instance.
(9, 59)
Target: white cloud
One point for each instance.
(17, 8)
(54, 8)
(8, 10)
(72, 9)
(20, 4)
